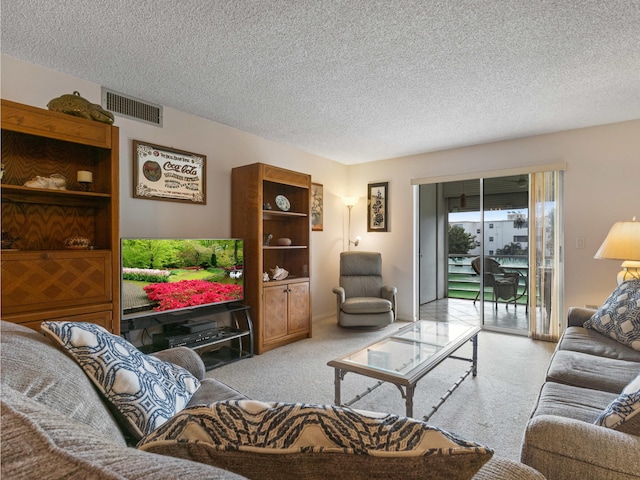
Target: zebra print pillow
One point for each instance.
(145, 391)
(292, 440)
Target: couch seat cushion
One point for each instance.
(586, 340)
(590, 371)
(292, 441)
(144, 391)
(366, 305)
(619, 315)
(624, 412)
(573, 402)
(35, 367)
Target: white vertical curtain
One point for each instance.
(546, 260)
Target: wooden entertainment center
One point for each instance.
(41, 279)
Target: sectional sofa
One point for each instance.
(57, 424)
(588, 371)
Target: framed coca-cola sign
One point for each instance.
(163, 173)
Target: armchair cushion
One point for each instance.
(366, 305)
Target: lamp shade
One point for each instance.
(622, 242)
(349, 201)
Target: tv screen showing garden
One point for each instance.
(171, 274)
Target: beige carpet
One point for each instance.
(491, 408)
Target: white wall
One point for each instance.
(225, 148)
(601, 187)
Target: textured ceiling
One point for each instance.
(351, 80)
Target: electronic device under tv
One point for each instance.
(165, 275)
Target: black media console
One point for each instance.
(217, 342)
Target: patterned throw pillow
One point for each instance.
(619, 315)
(145, 391)
(623, 410)
(291, 440)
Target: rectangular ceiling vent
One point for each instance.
(131, 107)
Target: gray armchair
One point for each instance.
(362, 299)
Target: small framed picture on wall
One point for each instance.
(378, 207)
(317, 207)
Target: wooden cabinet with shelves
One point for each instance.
(41, 280)
(281, 309)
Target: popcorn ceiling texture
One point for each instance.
(352, 80)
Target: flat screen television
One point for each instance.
(170, 274)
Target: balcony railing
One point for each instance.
(463, 282)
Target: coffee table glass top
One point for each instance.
(409, 347)
(434, 333)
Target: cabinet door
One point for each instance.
(274, 323)
(299, 307)
(33, 281)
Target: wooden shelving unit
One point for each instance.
(41, 280)
(281, 309)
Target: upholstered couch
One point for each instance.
(56, 424)
(587, 372)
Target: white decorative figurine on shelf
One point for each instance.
(279, 273)
(54, 182)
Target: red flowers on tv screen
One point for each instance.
(160, 275)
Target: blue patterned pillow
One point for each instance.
(623, 409)
(287, 441)
(619, 315)
(145, 391)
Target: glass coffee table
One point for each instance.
(406, 356)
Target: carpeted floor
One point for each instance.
(491, 408)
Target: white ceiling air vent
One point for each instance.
(131, 107)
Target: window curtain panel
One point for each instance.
(546, 281)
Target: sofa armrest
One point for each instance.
(389, 293)
(578, 315)
(560, 447)
(339, 291)
(184, 357)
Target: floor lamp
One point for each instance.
(350, 202)
(623, 243)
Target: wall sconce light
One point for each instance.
(623, 243)
(350, 202)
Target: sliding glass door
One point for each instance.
(505, 246)
(491, 247)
